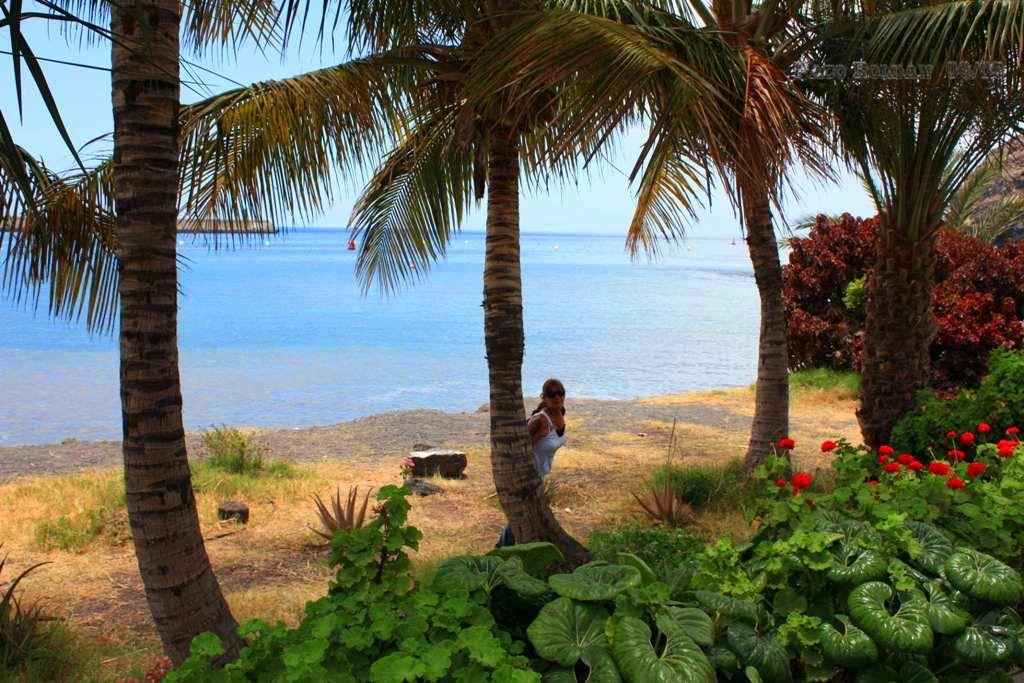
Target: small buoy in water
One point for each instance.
(734, 241)
(556, 248)
(689, 247)
(351, 245)
(413, 266)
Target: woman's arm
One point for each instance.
(538, 428)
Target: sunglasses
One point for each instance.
(553, 394)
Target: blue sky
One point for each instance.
(601, 203)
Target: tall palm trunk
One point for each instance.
(898, 332)
(182, 592)
(515, 476)
(771, 402)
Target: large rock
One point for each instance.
(438, 461)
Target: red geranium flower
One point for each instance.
(905, 459)
(1010, 431)
(951, 434)
(1006, 447)
(801, 480)
(886, 450)
(938, 467)
(916, 465)
(892, 467)
(828, 445)
(955, 483)
(967, 439)
(781, 483)
(956, 454)
(882, 459)
(787, 443)
(873, 482)
(984, 428)
(975, 468)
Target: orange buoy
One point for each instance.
(351, 245)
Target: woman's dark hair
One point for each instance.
(551, 384)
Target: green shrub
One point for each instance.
(658, 546)
(231, 451)
(376, 624)
(998, 401)
(704, 487)
(855, 295)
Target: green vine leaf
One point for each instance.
(564, 630)
(680, 659)
(908, 629)
(983, 577)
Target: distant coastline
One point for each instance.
(186, 227)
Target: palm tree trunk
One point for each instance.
(771, 399)
(181, 590)
(519, 486)
(898, 332)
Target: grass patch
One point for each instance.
(845, 384)
(238, 465)
(69, 513)
(659, 546)
(705, 488)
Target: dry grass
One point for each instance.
(272, 566)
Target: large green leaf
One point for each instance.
(724, 659)
(905, 630)
(764, 653)
(988, 642)
(468, 572)
(595, 582)
(512, 575)
(727, 606)
(935, 547)
(565, 629)
(943, 614)
(536, 557)
(983, 577)
(851, 648)
(854, 569)
(694, 622)
(680, 659)
(647, 574)
(600, 669)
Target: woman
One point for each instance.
(547, 434)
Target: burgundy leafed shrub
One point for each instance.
(979, 299)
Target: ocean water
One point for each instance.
(279, 335)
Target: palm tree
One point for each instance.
(916, 142)
(765, 125)
(980, 209)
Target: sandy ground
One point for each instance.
(271, 567)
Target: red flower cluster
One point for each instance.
(828, 445)
(915, 465)
(956, 454)
(781, 483)
(886, 450)
(984, 428)
(1006, 447)
(940, 468)
(967, 439)
(801, 480)
(787, 443)
(882, 459)
(955, 483)
(975, 468)
(951, 434)
(905, 459)
(891, 467)
(1010, 431)
(873, 482)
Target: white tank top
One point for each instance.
(544, 449)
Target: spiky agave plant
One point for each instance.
(20, 628)
(341, 518)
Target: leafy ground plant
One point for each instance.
(375, 623)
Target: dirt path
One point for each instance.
(382, 435)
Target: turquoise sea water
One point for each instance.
(280, 336)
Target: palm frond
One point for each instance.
(407, 213)
(974, 29)
(273, 150)
(66, 248)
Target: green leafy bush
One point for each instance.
(229, 450)
(855, 295)
(376, 624)
(105, 516)
(703, 486)
(658, 546)
(998, 401)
